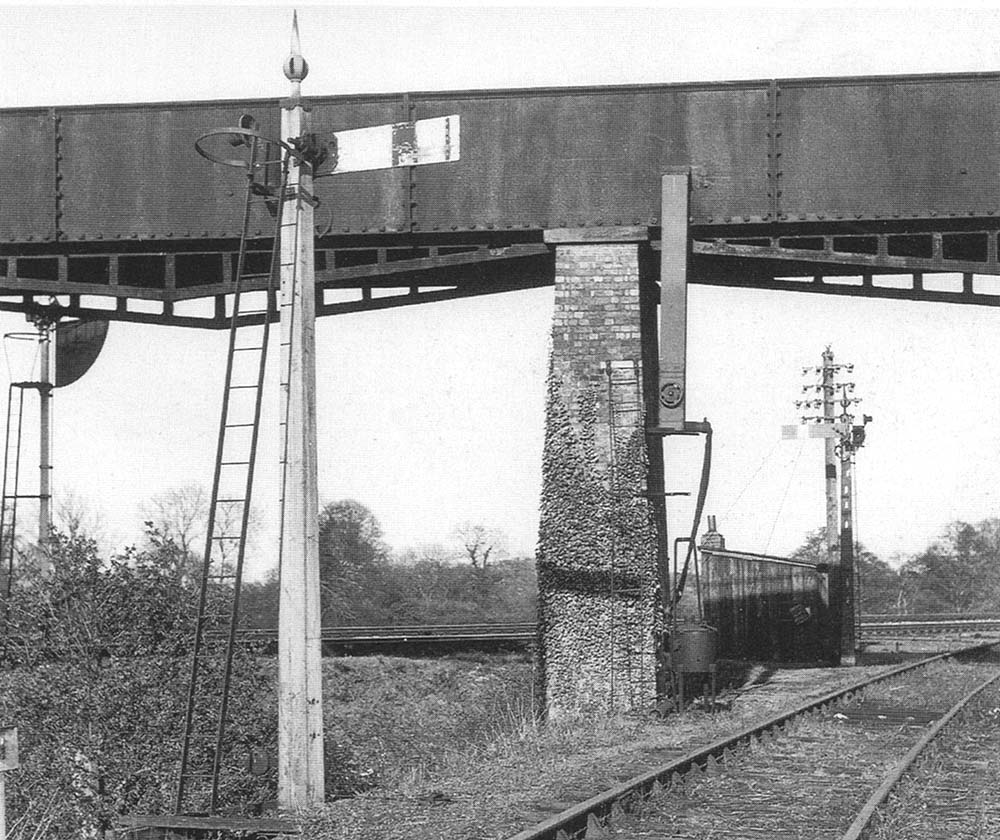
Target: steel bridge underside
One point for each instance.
(879, 187)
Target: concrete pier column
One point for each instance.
(599, 598)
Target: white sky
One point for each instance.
(432, 415)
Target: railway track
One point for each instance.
(348, 640)
(803, 774)
(951, 790)
(517, 636)
(933, 626)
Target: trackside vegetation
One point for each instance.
(94, 666)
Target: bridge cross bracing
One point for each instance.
(853, 186)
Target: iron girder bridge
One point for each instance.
(852, 186)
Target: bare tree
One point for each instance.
(180, 515)
(75, 516)
(480, 543)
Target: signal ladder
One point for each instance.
(631, 651)
(856, 584)
(857, 603)
(12, 472)
(203, 749)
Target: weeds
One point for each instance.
(35, 824)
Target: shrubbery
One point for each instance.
(130, 605)
(96, 675)
(95, 670)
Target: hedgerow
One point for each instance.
(95, 677)
(94, 670)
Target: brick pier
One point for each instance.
(598, 569)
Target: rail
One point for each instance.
(505, 635)
(588, 817)
(909, 627)
(525, 633)
(859, 828)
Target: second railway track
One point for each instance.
(431, 638)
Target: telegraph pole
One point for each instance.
(300, 700)
(830, 459)
(841, 438)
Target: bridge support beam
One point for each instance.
(598, 576)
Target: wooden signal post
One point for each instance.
(402, 144)
(8, 761)
(300, 692)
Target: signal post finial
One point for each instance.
(295, 67)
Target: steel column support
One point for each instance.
(665, 385)
(655, 478)
(675, 250)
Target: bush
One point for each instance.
(131, 605)
(97, 681)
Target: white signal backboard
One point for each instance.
(436, 140)
(817, 430)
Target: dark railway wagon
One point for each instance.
(766, 608)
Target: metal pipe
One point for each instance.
(45, 434)
(706, 472)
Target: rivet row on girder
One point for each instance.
(774, 171)
(57, 174)
(410, 107)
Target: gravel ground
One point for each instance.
(952, 791)
(809, 782)
(492, 787)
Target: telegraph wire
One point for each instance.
(750, 480)
(781, 504)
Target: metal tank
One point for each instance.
(692, 649)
